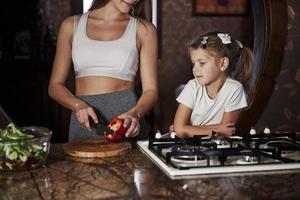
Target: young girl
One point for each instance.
(213, 100)
(108, 45)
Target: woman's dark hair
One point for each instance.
(141, 10)
(240, 57)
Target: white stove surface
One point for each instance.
(175, 173)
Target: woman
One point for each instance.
(106, 45)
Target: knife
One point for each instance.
(100, 127)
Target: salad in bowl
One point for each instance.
(23, 148)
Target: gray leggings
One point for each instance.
(109, 105)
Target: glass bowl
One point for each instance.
(29, 153)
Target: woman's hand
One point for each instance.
(226, 129)
(131, 122)
(83, 112)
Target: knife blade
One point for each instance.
(100, 127)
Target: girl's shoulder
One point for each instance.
(231, 83)
(193, 83)
(193, 86)
(233, 87)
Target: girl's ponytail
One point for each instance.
(243, 71)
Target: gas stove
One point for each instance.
(200, 155)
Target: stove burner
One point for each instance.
(189, 162)
(280, 144)
(188, 158)
(247, 160)
(221, 142)
(248, 157)
(288, 149)
(188, 153)
(247, 152)
(188, 150)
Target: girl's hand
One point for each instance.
(83, 112)
(226, 129)
(131, 122)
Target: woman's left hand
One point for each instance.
(131, 122)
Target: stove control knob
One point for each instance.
(173, 134)
(252, 131)
(157, 134)
(185, 186)
(267, 130)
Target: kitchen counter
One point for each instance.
(134, 176)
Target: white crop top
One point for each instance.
(115, 58)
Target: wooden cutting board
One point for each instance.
(96, 148)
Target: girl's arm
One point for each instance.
(61, 67)
(147, 43)
(183, 128)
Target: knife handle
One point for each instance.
(92, 123)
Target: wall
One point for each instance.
(178, 25)
(174, 66)
(53, 12)
(283, 110)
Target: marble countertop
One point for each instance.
(134, 176)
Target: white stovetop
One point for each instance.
(186, 173)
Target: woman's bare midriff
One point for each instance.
(100, 85)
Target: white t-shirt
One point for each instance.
(206, 111)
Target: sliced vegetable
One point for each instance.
(115, 137)
(117, 125)
(118, 128)
(16, 152)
